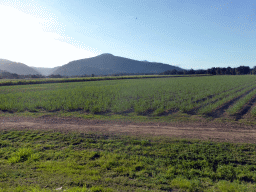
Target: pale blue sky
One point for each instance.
(187, 33)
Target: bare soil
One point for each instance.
(233, 133)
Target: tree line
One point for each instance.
(242, 70)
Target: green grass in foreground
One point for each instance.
(46, 161)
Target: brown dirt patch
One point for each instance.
(204, 131)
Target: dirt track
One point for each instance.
(212, 131)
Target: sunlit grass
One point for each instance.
(45, 161)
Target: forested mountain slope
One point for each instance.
(107, 64)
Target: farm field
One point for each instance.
(7, 82)
(155, 134)
(221, 98)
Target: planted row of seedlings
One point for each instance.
(210, 97)
(218, 101)
(184, 102)
(253, 111)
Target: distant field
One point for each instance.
(7, 82)
(209, 96)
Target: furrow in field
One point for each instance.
(253, 109)
(227, 90)
(189, 106)
(218, 109)
(216, 98)
(246, 108)
(236, 108)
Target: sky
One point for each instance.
(196, 34)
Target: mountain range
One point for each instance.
(104, 64)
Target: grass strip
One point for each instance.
(72, 161)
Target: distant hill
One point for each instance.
(107, 64)
(18, 68)
(4, 61)
(45, 71)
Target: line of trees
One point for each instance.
(242, 70)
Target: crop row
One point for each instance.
(212, 97)
(241, 102)
(224, 99)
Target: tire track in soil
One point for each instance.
(233, 133)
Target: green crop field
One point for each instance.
(208, 96)
(6, 82)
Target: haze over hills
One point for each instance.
(107, 64)
(45, 71)
(4, 61)
(18, 68)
